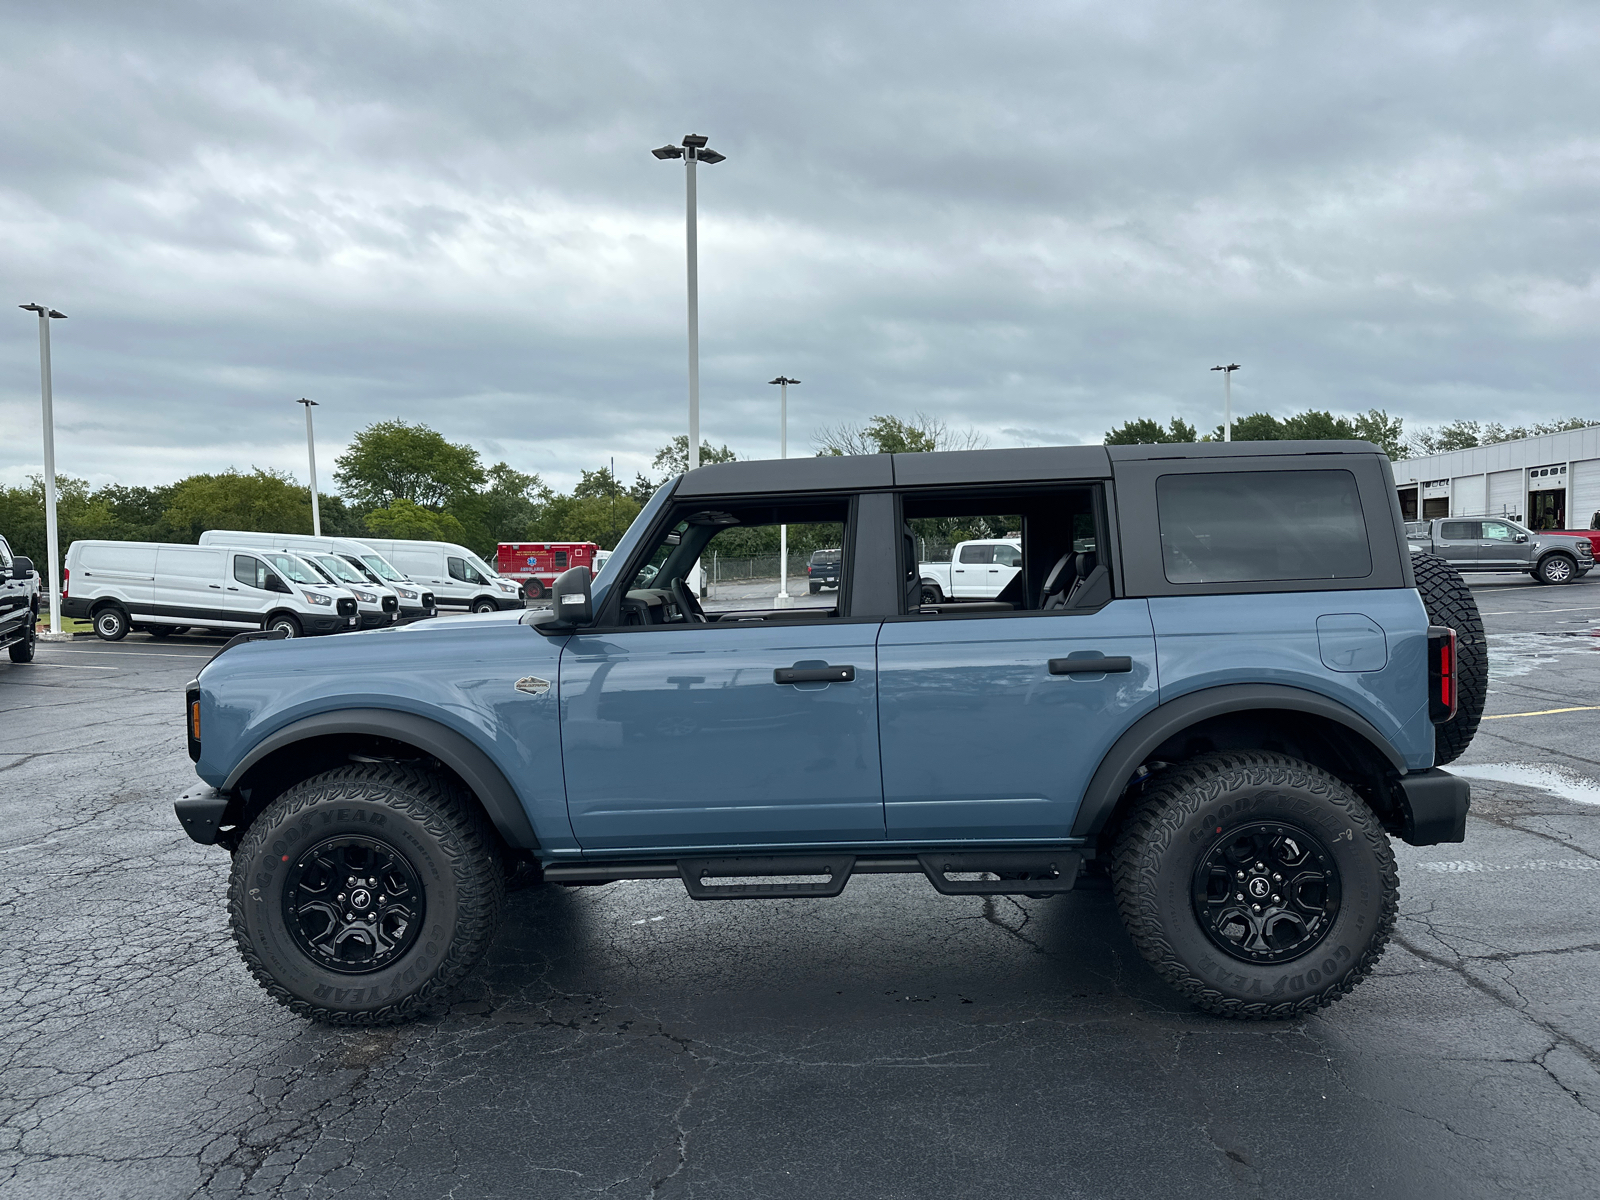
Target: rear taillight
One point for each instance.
(1441, 674)
(66, 577)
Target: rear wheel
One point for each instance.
(1556, 568)
(111, 624)
(286, 622)
(364, 895)
(1448, 601)
(931, 594)
(22, 652)
(1258, 886)
(484, 605)
(815, 588)
(160, 632)
(535, 589)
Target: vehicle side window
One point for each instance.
(561, 560)
(735, 544)
(1035, 551)
(1458, 531)
(1499, 531)
(5, 557)
(1261, 526)
(462, 570)
(251, 572)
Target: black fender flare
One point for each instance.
(1173, 717)
(477, 769)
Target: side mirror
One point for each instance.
(274, 584)
(570, 599)
(1522, 537)
(21, 567)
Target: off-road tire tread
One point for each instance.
(1183, 791)
(1449, 601)
(445, 810)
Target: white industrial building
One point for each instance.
(1548, 482)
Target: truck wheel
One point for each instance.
(160, 632)
(111, 623)
(815, 588)
(286, 622)
(364, 895)
(1259, 886)
(1448, 601)
(484, 605)
(931, 594)
(1556, 568)
(22, 652)
(535, 589)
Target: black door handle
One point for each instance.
(845, 674)
(1091, 664)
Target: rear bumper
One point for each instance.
(77, 609)
(1434, 806)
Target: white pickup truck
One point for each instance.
(977, 570)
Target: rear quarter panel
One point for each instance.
(1209, 641)
(460, 672)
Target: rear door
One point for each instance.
(969, 570)
(1459, 542)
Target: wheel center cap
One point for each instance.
(1259, 887)
(360, 898)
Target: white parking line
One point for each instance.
(135, 653)
(1533, 612)
(72, 666)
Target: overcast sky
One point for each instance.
(1035, 219)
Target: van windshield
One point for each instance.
(292, 567)
(381, 565)
(484, 568)
(337, 567)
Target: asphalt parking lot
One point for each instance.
(627, 1041)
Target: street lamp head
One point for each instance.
(665, 152)
(307, 403)
(1229, 367)
(695, 139)
(782, 379)
(43, 311)
(708, 156)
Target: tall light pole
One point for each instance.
(693, 150)
(1227, 399)
(311, 454)
(783, 452)
(52, 541)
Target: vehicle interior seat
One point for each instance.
(1059, 581)
(1083, 565)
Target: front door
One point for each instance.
(681, 737)
(981, 740)
(1499, 548)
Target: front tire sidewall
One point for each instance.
(111, 624)
(287, 623)
(1556, 569)
(1157, 885)
(484, 606)
(306, 815)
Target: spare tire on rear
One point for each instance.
(1449, 601)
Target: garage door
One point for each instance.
(1585, 501)
(1505, 494)
(1467, 498)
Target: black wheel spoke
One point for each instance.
(1266, 892)
(353, 904)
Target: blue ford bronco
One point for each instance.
(1219, 680)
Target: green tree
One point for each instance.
(391, 460)
(405, 520)
(1145, 432)
(600, 519)
(268, 501)
(1383, 431)
(503, 511)
(1257, 427)
(673, 458)
(895, 435)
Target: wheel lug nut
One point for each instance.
(1240, 874)
(1261, 866)
(1256, 907)
(1276, 877)
(1277, 899)
(1238, 895)
(341, 895)
(371, 916)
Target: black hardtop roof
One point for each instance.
(863, 472)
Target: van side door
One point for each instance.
(190, 586)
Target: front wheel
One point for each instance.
(111, 624)
(364, 895)
(484, 605)
(286, 622)
(1556, 568)
(22, 652)
(1258, 886)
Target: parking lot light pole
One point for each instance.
(1227, 400)
(783, 452)
(52, 541)
(311, 454)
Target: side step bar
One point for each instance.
(1036, 872)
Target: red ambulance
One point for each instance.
(535, 565)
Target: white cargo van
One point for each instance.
(163, 588)
(415, 600)
(458, 577)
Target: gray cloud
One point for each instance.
(1037, 219)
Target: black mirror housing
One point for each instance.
(21, 567)
(570, 602)
(274, 584)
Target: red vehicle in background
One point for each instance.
(1592, 534)
(535, 565)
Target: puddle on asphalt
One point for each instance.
(1514, 654)
(1566, 784)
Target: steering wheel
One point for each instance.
(687, 604)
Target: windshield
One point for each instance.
(294, 568)
(483, 568)
(335, 566)
(380, 564)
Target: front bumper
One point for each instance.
(200, 811)
(329, 624)
(1433, 805)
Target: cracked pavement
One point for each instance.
(627, 1041)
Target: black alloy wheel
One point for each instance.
(353, 904)
(1266, 892)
